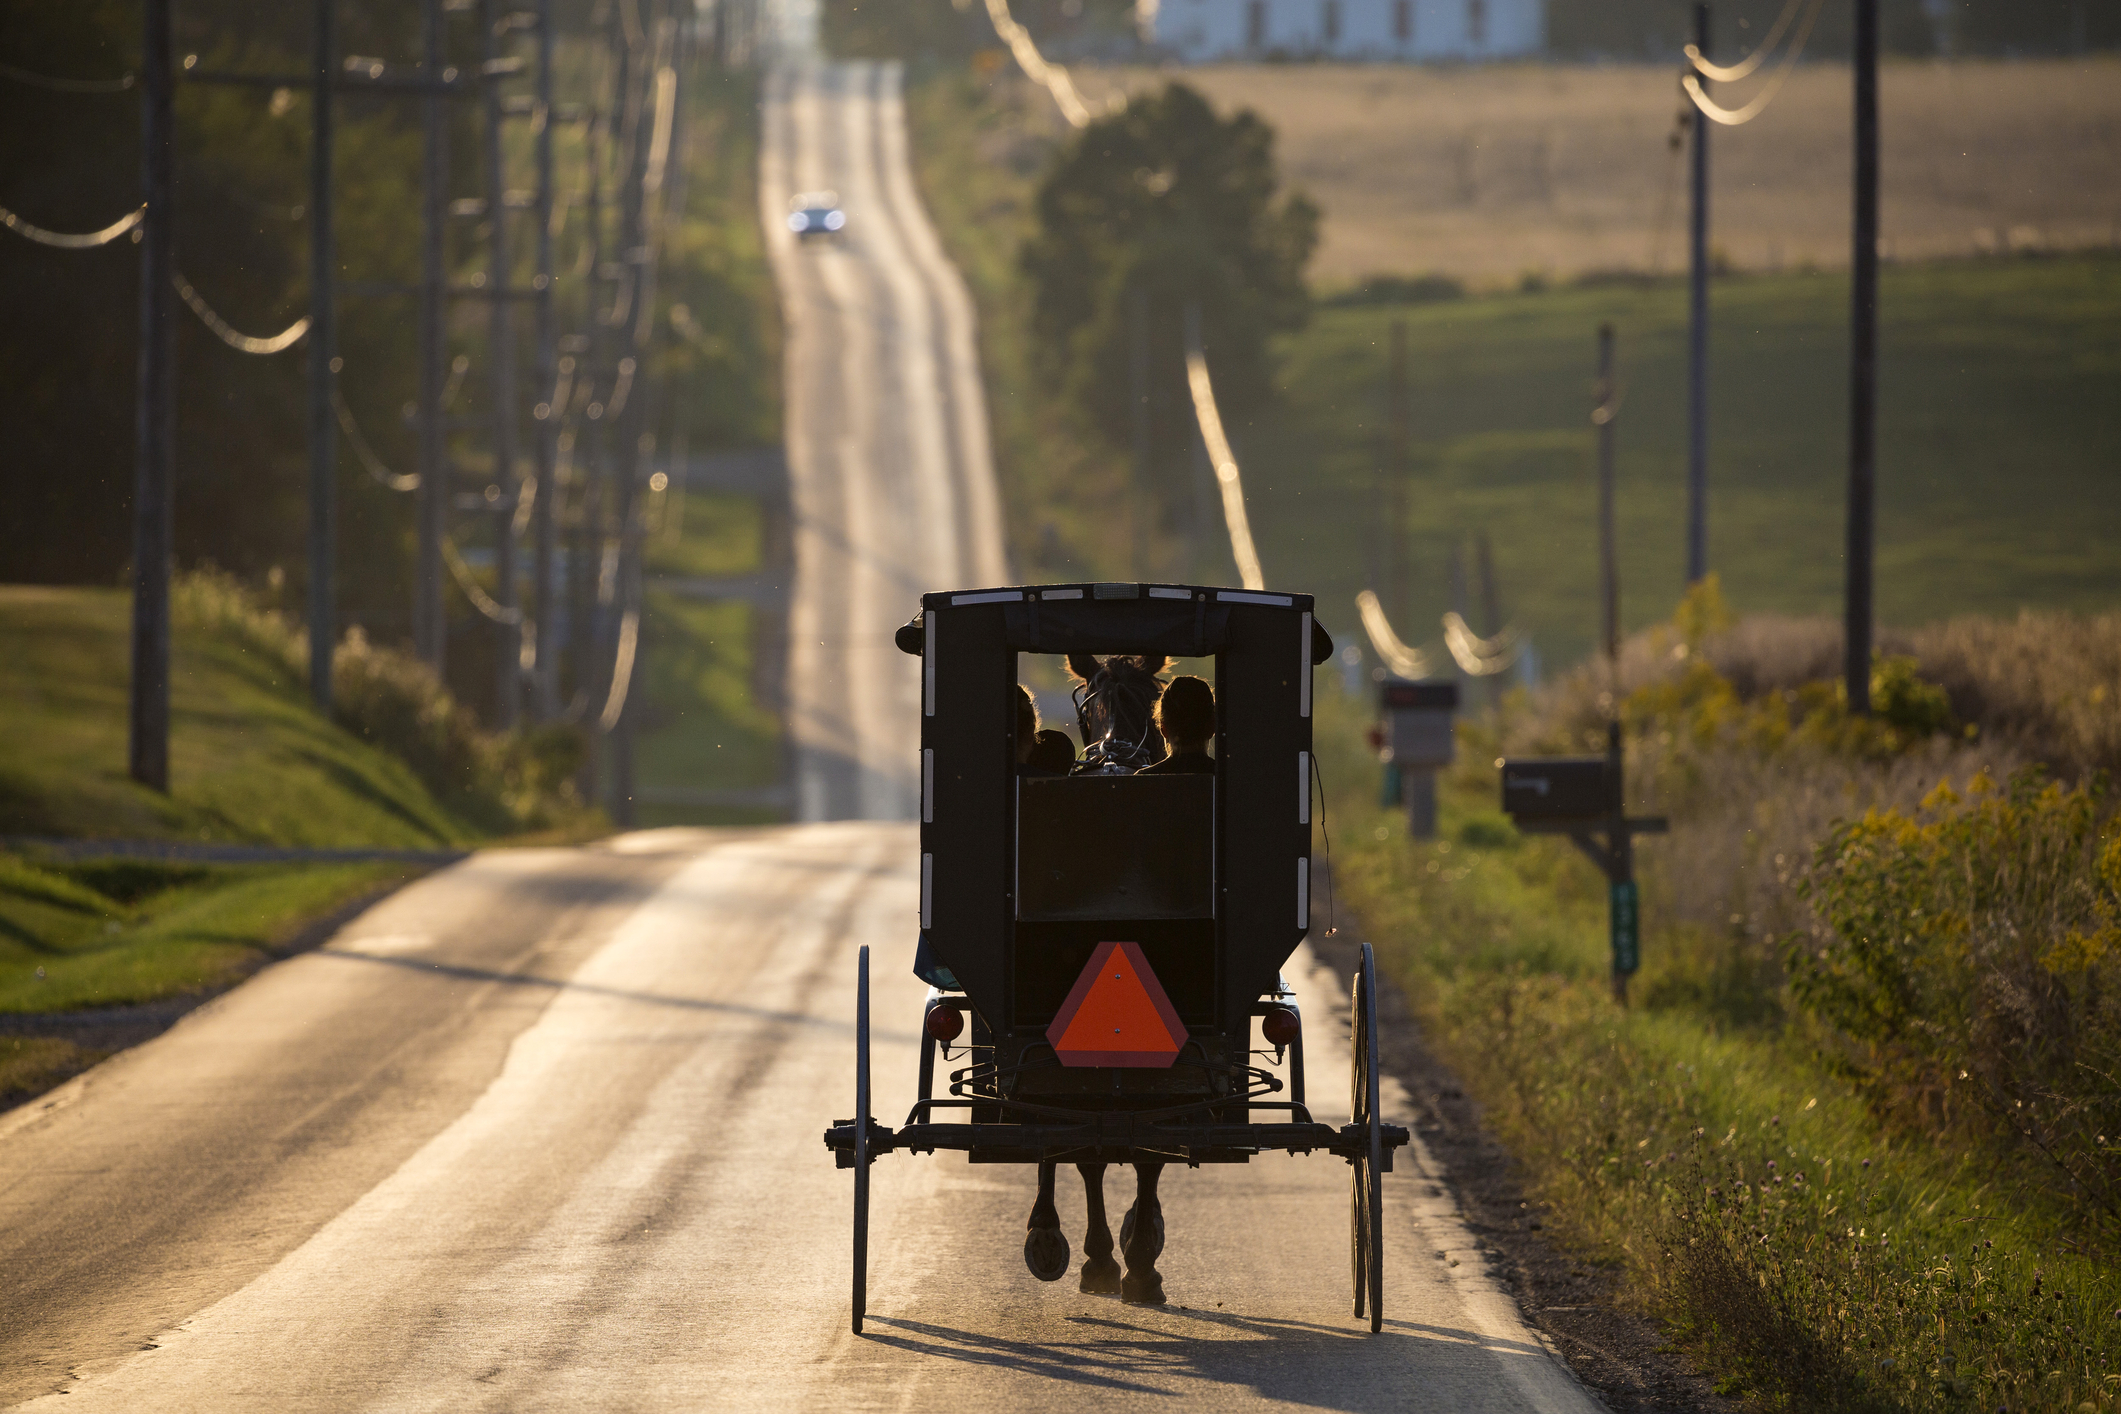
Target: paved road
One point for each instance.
(542, 1130)
(891, 482)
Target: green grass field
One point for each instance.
(1999, 427)
(249, 760)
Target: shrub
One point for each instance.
(393, 701)
(1965, 965)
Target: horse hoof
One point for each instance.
(1126, 1233)
(1046, 1253)
(1142, 1289)
(1101, 1277)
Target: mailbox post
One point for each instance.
(1584, 797)
(1420, 741)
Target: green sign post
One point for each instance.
(1584, 798)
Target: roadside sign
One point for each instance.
(1627, 936)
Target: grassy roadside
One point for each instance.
(1812, 1253)
(121, 933)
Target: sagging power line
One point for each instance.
(1220, 457)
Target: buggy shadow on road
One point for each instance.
(1166, 1352)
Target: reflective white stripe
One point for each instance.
(1157, 591)
(927, 785)
(1303, 892)
(928, 668)
(1303, 787)
(1238, 596)
(927, 891)
(1303, 672)
(1006, 596)
(1062, 594)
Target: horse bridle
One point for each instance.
(1131, 755)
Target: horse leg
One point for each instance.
(1100, 1272)
(1045, 1246)
(1143, 1236)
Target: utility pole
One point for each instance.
(501, 368)
(1393, 566)
(155, 426)
(430, 620)
(545, 685)
(323, 358)
(1697, 477)
(1863, 365)
(1604, 416)
(1138, 349)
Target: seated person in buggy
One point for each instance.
(1185, 716)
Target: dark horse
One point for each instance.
(1115, 703)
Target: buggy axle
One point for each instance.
(1114, 1138)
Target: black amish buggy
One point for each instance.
(1113, 936)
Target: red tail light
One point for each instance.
(945, 1022)
(1280, 1026)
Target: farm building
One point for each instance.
(1199, 31)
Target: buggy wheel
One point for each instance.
(1366, 1237)
(861, 1140)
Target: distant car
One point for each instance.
(816, 213)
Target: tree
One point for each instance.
(1146, 211)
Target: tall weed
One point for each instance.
(392, 700)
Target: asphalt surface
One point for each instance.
(542, 1131)
(891, 482)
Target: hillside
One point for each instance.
(249, 760)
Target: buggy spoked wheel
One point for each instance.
(861, 1140)
(1366, 1238)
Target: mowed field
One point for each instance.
(1489, 173)
(1999, 431)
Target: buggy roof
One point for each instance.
(1180, 620)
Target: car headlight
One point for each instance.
(835, 219)
(798, 222)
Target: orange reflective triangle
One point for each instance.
(1117, 1014)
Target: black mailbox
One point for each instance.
(1557, 788)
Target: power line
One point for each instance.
(62, 240)
(58, 85)
(230, 335)
(366, 454)
(1745, 67)
(1738, 117)
(1220, 456)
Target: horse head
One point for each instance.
(1115, 705)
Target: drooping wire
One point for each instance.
(63, 240)
(365, 454)
(58, 85)
(230, 335)
(1744, 68)
(474, 591)
(1737, 117)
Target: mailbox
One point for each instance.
(1419, 717)
(1557, 788)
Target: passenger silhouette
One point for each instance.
(1185, 714)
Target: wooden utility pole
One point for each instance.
(155, 424)
(1863, 365)
(1604, 415)
(501, 371)
(430, 619)
(545, 662)
(323, 360)
(1697, 466)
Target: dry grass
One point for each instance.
(1488, 173)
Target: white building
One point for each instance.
(1200, 31)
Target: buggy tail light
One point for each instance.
(944, 1023)
(1280, 1026)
